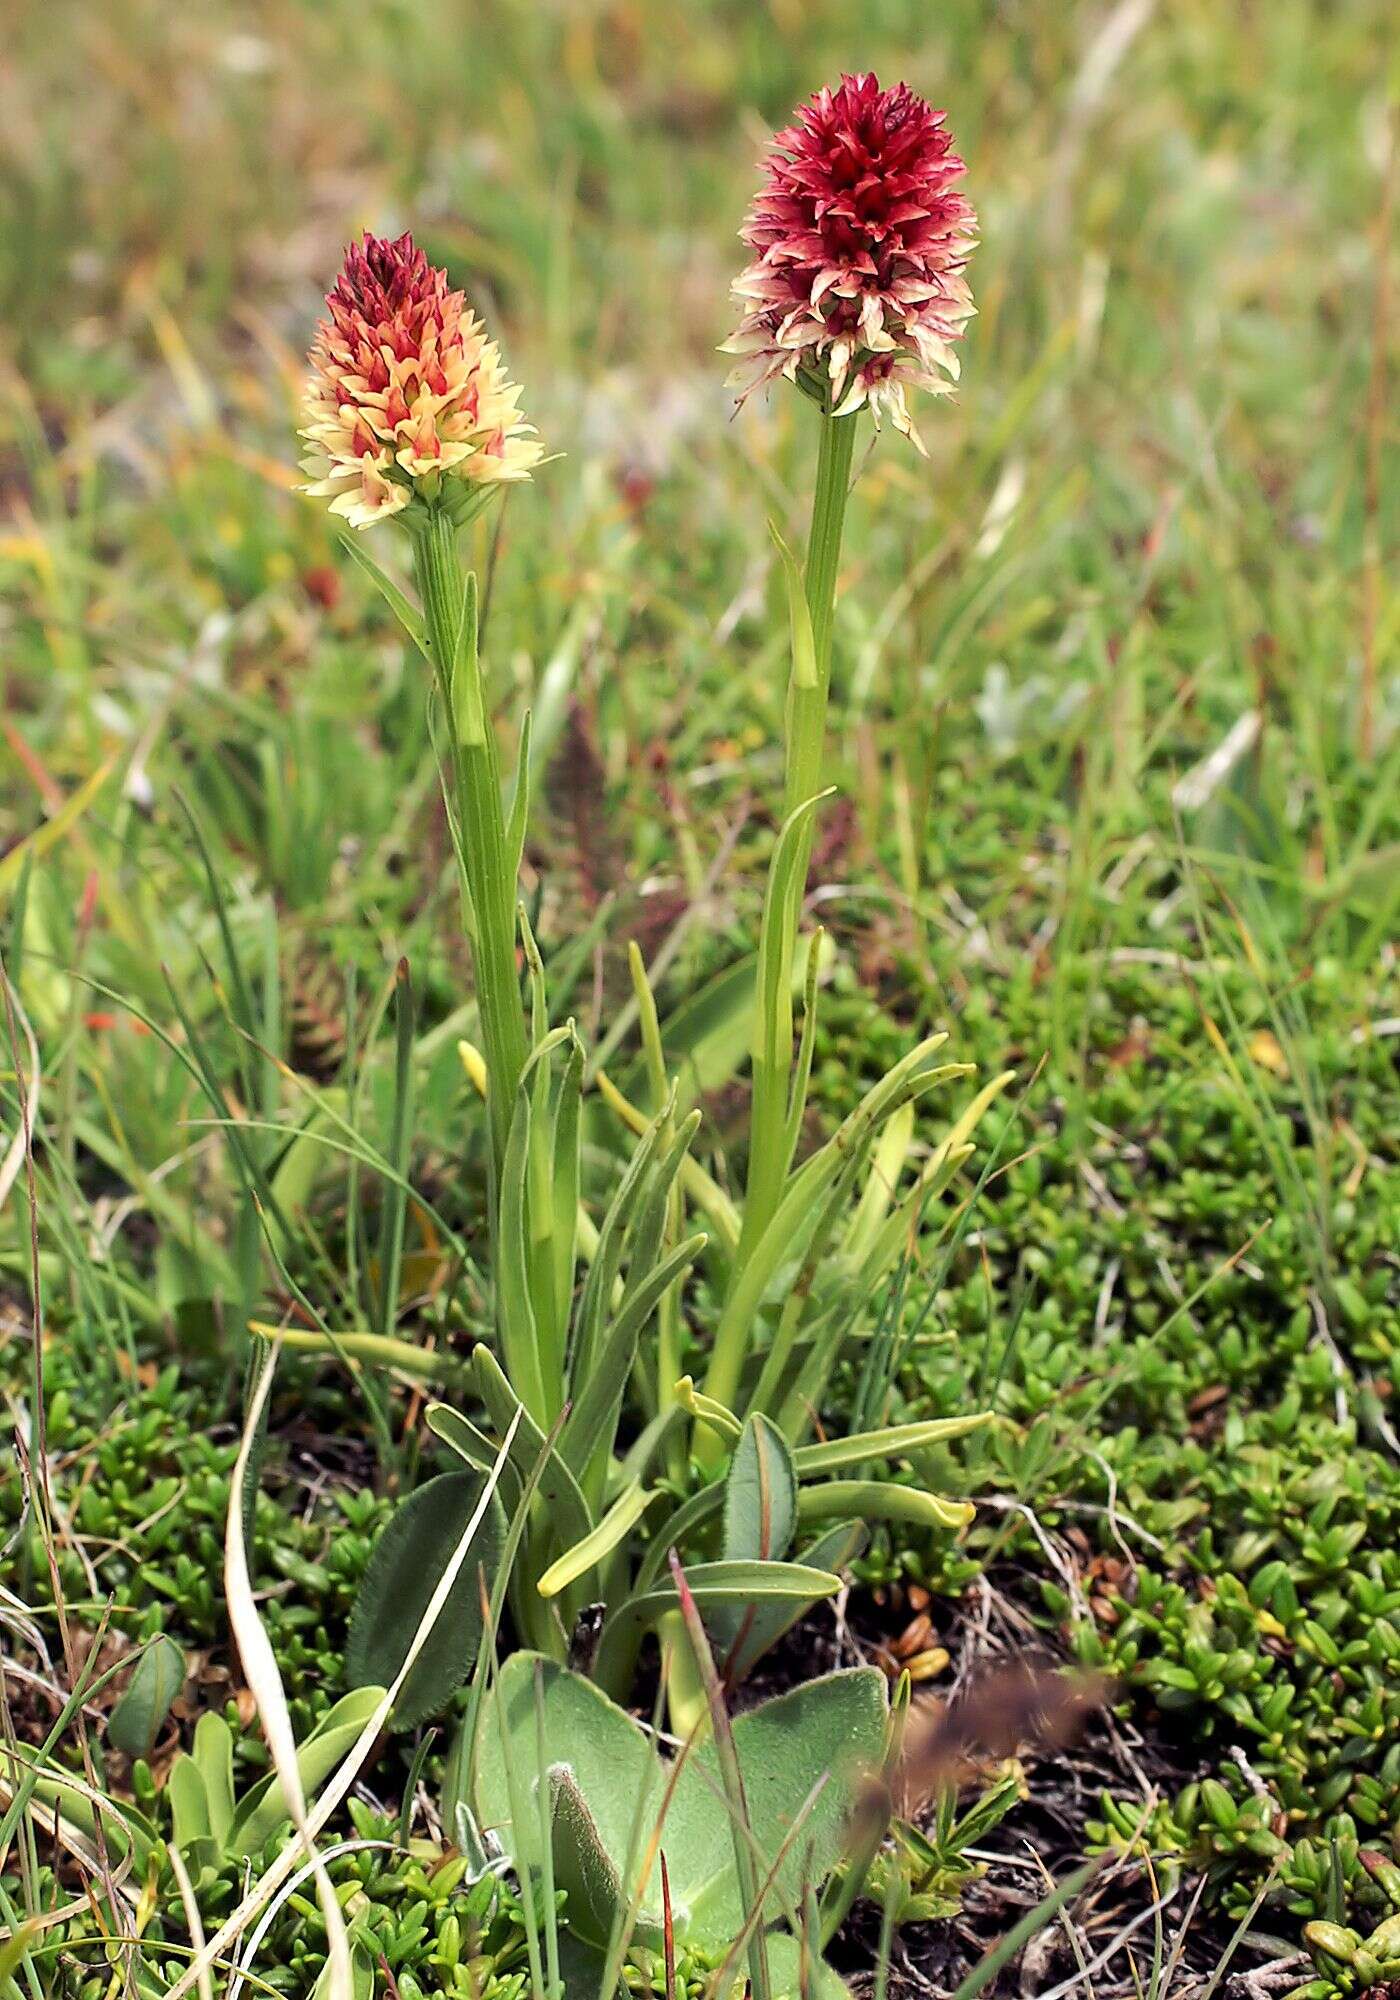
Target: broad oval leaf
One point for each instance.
(541, 1722)
(760, 1495)
(405, 1569)
(137, 1717)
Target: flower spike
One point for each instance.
(407, 398)
(861, 239)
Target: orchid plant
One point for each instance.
(856, 293)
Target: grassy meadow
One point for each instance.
(1116, 732)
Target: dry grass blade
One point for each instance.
(339, 1785)
(669, 1933)
(29, 1110)
(288, 1889)
(721, 1981)
(190, 1905)
(265, 1681)
(731, 1774)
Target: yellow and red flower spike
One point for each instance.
(407, 397)
(857, 288)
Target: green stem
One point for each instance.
(806, 707)
(771, 1121)
(769, 1153)
(448, 598)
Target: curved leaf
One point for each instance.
(614, 1527)
(897, 1441)
(558, 1488)
(882, 1500)
(589, 1426)
(711, 1584)
(836, 1550)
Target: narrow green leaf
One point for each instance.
(804, 650)
(764, 1624)
(707, 1036)
(806, 1047)
(468, 704)
(559, 1491)
(262, 1810)
(53, 831)
(714, 1583)
(760, 1495)
(240, 998)
(991, 1963)
(567, 1163)
(362, 1976)
(519, 1329)
(407, 613)
(518, 813)
(702, 1188)
(886, 1166)
(799, 1210)
(645, 1450)
(881, 1500)
(594, 1415)
(770, 1156)
(395, 1198)
(213, 1758)
(463, 1436)
(897, 1441)
(607, 1258)
(189, 1814)
(15, 1950)
(614, 1527)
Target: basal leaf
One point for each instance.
(410, 1556)
(156, 1680)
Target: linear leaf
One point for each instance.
(881, 1500)
(715, 1583)
(614, 1527)
(599, 1399)
(407, 613)
(897, 1441)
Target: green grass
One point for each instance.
(1145, 517)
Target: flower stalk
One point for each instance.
(771, 1129)
(807, 706)
(448, 595)
(856, 293)
(409, 413)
